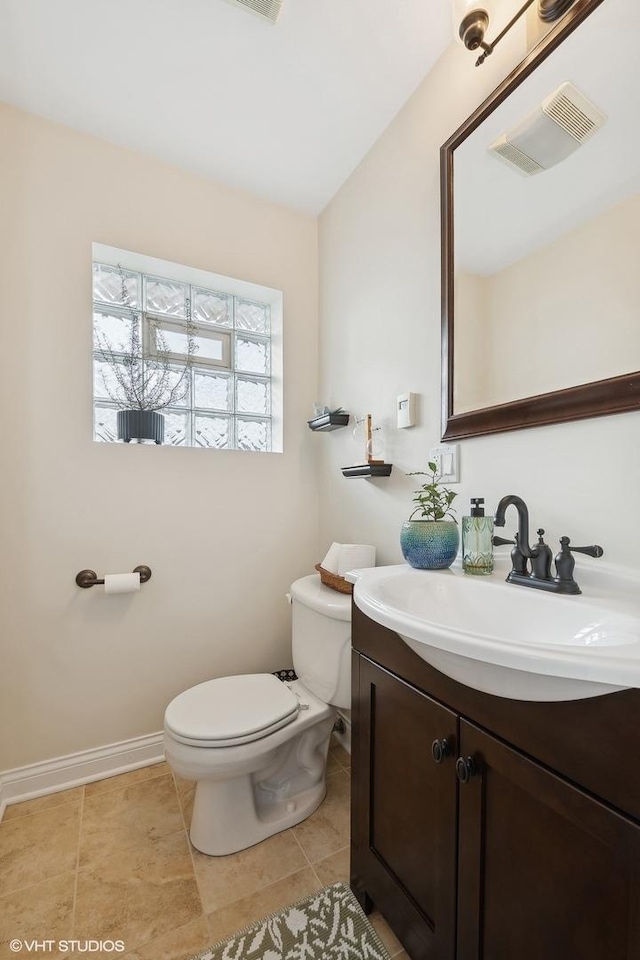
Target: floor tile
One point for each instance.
(186, 792)
(224, 922)
(38, 847)
(138, 813)
(341, 755)
(327, 830)
(333, 868)
(42, 912)
(138, 894)
(223, 880)
(176, 945)
(385, 933)
(39, 804)
(126, 779)
(136, 880)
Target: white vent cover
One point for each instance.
(507, 151)
(571, 110)
(267, 9)
(551, 133)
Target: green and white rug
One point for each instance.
(328, 925)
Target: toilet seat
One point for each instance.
(230, 711)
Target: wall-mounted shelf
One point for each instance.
(329, 421)
(368, 470)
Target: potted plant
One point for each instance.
(139, 385)
(431, 541)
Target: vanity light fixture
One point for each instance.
(471, 21)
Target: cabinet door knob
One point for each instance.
(465, 769)
(440, 749)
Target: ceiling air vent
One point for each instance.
(573, 112)
(563, 121)
(267, 9)
(516, 157)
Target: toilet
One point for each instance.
(257, 747)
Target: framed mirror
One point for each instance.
(541, 235)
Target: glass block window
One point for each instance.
(203, 352)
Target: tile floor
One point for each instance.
(112, 860)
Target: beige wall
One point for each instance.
(567, 313)
(473, 380)
(224, 532)
(380, 336)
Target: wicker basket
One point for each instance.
(334, 581)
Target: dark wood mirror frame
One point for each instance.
(601, 397)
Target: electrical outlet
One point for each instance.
(446, 456)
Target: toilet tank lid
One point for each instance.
(312, 593)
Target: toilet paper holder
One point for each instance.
(89, 578)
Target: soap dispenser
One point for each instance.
(477, 540)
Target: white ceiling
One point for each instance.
(286, 111)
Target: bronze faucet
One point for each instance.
(539, 557)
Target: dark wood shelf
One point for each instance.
(329, 421)
(368, 470)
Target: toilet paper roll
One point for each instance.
(332, 558)
(355, 555)
(121, 582)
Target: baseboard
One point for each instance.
(62, 773)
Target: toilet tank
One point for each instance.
(321, 640)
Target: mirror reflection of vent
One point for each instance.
(267, 9)
(565, 120)
(572, 111)
(514, 156)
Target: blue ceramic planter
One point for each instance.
(429, 544)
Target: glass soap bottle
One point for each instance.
(477, 540)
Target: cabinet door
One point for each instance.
(546, 872)
(405, 809)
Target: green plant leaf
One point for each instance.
(433, 499)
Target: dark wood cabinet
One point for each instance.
(414, 869)
(544, 870)
(475, 847)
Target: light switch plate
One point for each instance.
(447, 458)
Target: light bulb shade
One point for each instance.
(550, 10)
(470, 22)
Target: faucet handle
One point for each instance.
(593, 551)
(565, 563)
(500, 541)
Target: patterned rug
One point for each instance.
(328, 925)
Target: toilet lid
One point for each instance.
(231, 710)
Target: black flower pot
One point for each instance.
(140, 425)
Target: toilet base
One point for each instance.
(221, 836)
(249, 792)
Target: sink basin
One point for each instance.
(510, 640)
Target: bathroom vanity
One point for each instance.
(487, 828)
(496, 727)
